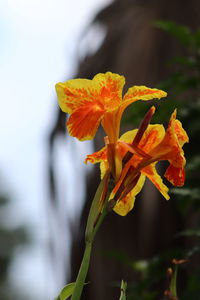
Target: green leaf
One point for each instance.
(123, 290)
(197, 37)
(194, 163)
(185, 61)
(192, 193)
(66, 291)
(190, 232)
(180, 32)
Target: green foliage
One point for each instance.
(183, 88)
(180, 32)
(190, 232)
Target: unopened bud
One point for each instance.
(169, 273)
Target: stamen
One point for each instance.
(129, 188)
(143, 126)
(134, 149)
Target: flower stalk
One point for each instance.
(96, 216)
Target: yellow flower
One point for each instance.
(139, 151)
(133, 157)
(91, 102)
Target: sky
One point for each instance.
(38, 47)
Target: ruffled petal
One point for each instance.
(88, 100)
(151, 173)
(73, 93)
(97, 156)
(142, 92)
(152, 137)
(126, 204)
(170, 147)
(180, 133)
(84, 121)
(128, 136)
(175, 175)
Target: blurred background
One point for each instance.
(46, 190)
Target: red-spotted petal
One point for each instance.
(170, 147)
(73, 93)
(84, 121)
(88, 100)
(110, 89)
(180, 132)
(136, 93)
(152, 136)
(151, 173)
(97, 156)
(175, 175)
(143, 93)
(103, 88)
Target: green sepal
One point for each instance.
(66, 292)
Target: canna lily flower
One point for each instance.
(99, 101)
(154, 144)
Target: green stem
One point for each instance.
(101, 218)
(173, 289)
(86, 260)
(95, 219)
(82, 272)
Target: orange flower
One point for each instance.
(91, 102)
(134, 156)
(140, 150)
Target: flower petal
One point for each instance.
(88, 100)
(72, 93)
(142, 92)
(175, 175)
(126, 204)
(152, 136)
(151, 173)
(84, 121)
(97, 156)
(110, 85)
(111, 95)
(181, 133)
(171, 146)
